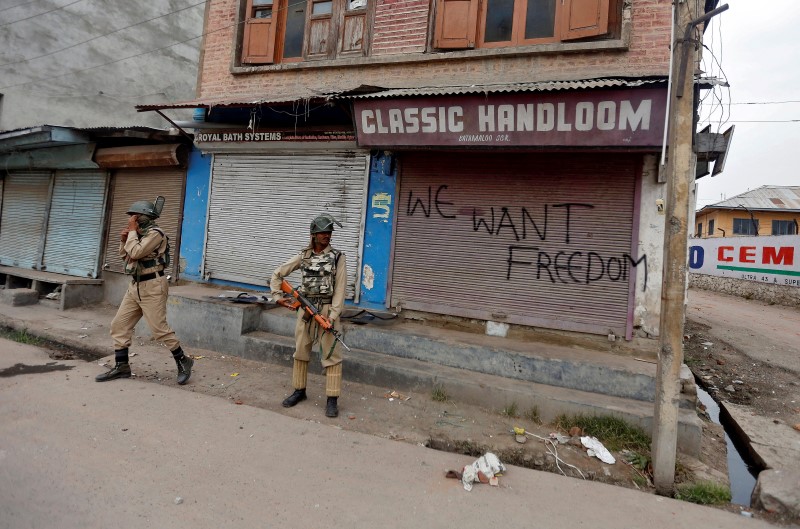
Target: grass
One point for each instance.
(20, 336)
(704, 493)
(614, 433)
(533, 415)
(439, 394)
(511, 410)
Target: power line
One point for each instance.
(17, 5)
(288, 6)
(39, 14)
(767, 102)
(104, 35)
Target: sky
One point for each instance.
(757, 49)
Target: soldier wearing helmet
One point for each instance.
(143, 246)
(324, 280)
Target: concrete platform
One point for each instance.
(74, 291)
(483, 370)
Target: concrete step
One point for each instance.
(591, 371)
(477, 388)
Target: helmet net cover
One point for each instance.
(143, 207)
(322, 224)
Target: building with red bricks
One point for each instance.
(492, 162)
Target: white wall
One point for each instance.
(647, 307)
(36, 91)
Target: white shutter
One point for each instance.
(25, 200)
(75, 225)
(262, 205)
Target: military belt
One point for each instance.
(148, 277)
(319, 300)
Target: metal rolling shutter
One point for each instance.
(131, 185)
(22, 225)
(75, 225)
(262, 205)
(452, 266)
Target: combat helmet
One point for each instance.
(145, 207)
(323, 224)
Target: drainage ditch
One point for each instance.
(742, 470)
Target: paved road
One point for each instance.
(78, 454)
(768, 333)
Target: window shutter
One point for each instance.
(258, 46)
(584, 18)
(456, 24)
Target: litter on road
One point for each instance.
(596, 449)
(485, 469)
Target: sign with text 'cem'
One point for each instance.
(773, 259)
(601, 118)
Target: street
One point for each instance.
(78, 454)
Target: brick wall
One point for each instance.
(401, 28)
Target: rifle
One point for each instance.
(310, 312)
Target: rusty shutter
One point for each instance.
(25, 205)
(131, 185)
(533, 239)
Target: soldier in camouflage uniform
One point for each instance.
(324, 280)
(143, 246)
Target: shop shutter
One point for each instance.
(131, 185)
(25, 201)
(262, 205)
(446, 261)
(75, 225)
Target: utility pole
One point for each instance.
(680, 172)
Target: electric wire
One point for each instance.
(27, 59)
(74, 72)
(39, 14)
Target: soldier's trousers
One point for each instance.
(309, 335)
(147, 299)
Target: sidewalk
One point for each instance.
(130, 455)
(448, 425)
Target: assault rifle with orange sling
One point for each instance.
(310, 311)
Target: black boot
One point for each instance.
(294, 398)
(331, 409)
(184, 364)
(120, 370)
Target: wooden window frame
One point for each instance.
(340, 23)
(461, 24)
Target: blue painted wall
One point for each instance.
(378, 230)
(195, 209)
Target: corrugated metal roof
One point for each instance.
(785, 198)
(246, 101)
(364, 92)
(542, 86)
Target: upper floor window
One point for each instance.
(699, 229)
(503, 23)
(711, 228)
(745, 226)
(278, 31)
(784, 227)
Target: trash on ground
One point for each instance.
(395, 395)
(483, 470)
(134, 354)
(238, 402)
(83, 336)
(234, 374)
(55, 294)
(596, 449)
(178, 500)
(198, 357)
(560, 437)
(707, 344)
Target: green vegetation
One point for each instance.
(614, 433)
(704, 493)
(439, 394)
(510, 410)
(533, 415)
(20, 336)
